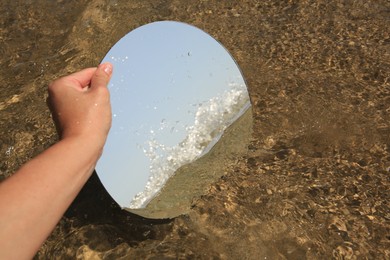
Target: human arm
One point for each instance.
(33, 200)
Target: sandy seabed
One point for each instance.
(313, 182)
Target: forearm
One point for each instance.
(33, 200)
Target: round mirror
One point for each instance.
(175, 93)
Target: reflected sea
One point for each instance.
(313, 182)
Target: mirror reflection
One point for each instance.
(174, 92)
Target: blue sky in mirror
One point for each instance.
(166, 74)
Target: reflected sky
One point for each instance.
(163, 73)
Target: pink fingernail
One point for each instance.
(107, 67)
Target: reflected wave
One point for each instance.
(211, 119)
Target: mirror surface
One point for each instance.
(174, 91)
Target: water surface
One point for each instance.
(314, 181)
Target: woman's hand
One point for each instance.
(33, 199)
(80, 104)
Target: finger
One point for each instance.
(81, 78)
(102, 76)
(78, 80)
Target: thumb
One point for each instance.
(102, 76)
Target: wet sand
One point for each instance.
(314, 181)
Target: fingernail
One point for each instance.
(107, 68)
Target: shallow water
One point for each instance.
(314, 180)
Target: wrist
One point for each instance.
(91, 145)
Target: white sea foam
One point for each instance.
(211, 119)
